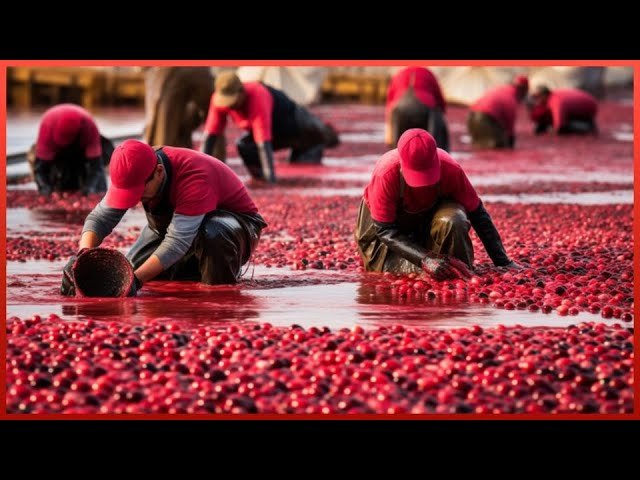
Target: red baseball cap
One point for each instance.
(67, 128)
(521, 81)
(419, 158)
(132, 162)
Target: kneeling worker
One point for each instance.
(273, 121)
(202, 223)
(492, 119)
(417, 211)
(415, 100)
(564, 110)
(69, 154)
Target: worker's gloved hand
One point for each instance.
(135, 286)
(42, 176)
(208, 144)
(445, 267)
(68, 283)
(265, 152)
(464, 272)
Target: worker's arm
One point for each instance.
(150, 269)
(214, 127)
(100, 223)
(489, 236)
(440, 267)
(265, 152)
(180, 235)
(42, 172)
(89, 240)
(392, 237)
(384, 197)
(215, 145)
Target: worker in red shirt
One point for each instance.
(565, 110)
(273, 121)
(491, 121)
(417, 211)
(176, 103)
(69, 153)
(202, 225)
(415, 100)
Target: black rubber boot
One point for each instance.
(257, 158)
(312, 155)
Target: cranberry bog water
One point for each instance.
(307, 331)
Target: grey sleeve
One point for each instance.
(102, 220)
(180, 234)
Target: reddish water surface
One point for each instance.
(277, 296)
(311, 216)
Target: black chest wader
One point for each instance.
(442, 227)
(224, 242)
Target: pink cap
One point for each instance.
(419, 158)
(66, 129)
(132, 162)
(521, 81)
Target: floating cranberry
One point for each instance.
(607, 312)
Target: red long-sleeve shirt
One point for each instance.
(255, 114)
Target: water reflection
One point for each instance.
(182, 301)
(304, 298)
(380, 305)
(101, 308)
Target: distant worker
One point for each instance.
(417, 211)
(273, 122)
(202, 225)
(69, 153)
(415, 100)
(176, 104)
(565, 110)
(492, 119)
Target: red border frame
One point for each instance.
(635, 64)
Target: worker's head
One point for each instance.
(67, 129)
(521, 82)
(540, 96)
(229, 91)
(419, 159)
(542, 91)
(136, 174)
